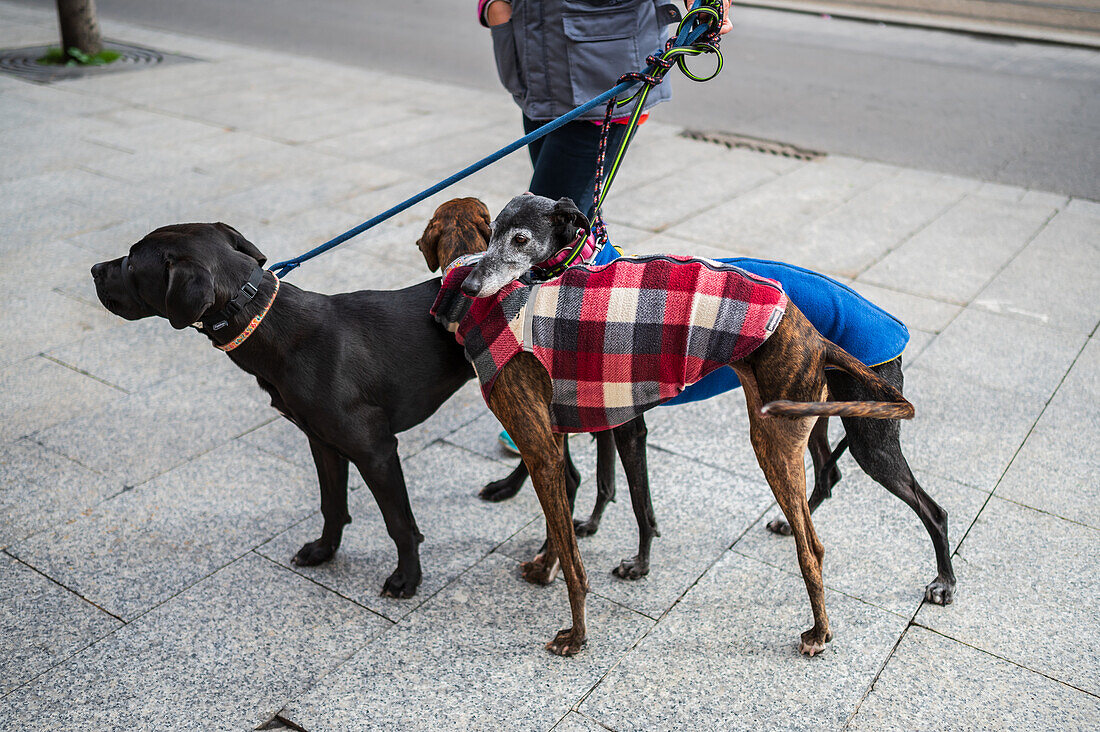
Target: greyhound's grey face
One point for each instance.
(527, 231)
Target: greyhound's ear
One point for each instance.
(241, 244)
(429, 244)
(565, 214)
(190, 293)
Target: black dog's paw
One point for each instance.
(400, 585)
(500, 490)
(940, 592)
(585, 528)
(779, 526)
(631, 569)
(314, 553)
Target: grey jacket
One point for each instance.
(554, 55)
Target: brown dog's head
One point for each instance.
(178, 272)
(459, 226)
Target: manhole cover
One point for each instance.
(23, 62)
(771, 147)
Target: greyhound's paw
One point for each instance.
(541, 570)
(585, 528)
(401, 584)
(813, 642)
(779, 526)
(314, 553)
(500, 490)
(631, 569)
(940, 592)
(566, 643)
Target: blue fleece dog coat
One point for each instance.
(838, 312)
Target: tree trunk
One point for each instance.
(79, 27)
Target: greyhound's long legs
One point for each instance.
(520, 400)
(780, 444)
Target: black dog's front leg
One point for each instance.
(605, 483)
(630, 440)
(381, 469)
(332, 476)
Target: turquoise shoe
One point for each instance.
(506, 441)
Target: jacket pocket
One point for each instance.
(602, 44)
(504, 50)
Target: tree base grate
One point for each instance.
(757, 144)
(23, 62)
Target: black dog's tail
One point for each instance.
(895, 405)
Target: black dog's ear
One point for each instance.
(241, 244)
(566, 215)
(190, 293)
(428, 244)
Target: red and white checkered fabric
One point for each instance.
(619, 338)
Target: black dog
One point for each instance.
(349, 370)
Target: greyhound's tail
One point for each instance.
(896, 406)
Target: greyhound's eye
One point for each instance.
(521, 239)
(130, 266)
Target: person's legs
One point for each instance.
(565, 160)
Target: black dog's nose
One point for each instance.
(97, 270)
(472, 284)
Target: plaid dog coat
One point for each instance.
(619, 338)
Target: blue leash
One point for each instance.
(687, 35)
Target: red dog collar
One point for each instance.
(580, 250)
(253, 324)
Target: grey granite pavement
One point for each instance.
(151, 500)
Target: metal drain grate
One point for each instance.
(23, 62)
(771, 147)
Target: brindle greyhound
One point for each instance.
(782, 378)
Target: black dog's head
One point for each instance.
(177, 272)
(527, 231)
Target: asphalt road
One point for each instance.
(999, 110)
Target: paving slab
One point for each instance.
(726, 657)
(574, 722)
(876, 548)
(856, 234)
(920, 313)
(42, 625)
(1002, 352)
(133, 356)
(1056, 469)
(39, 489)
(1066, 257)
(142, 546)
(964, 431)
(748, 223)
(459, 530)
(978, 236)
(43, 319)
(1030, 593)
(469, 660)
(714, 431)
(40, 393)
(252, 635)
(138, 436)
(700, 511)
(932, 682)
(657, 205)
